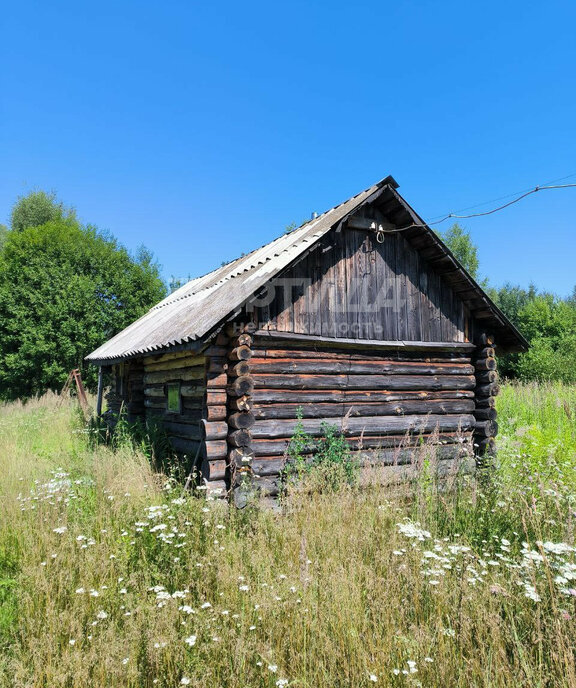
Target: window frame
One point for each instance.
(177, 386)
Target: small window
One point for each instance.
(173, 394)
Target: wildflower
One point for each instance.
(191, 640)
(71, 641)
(281, 682)
(101, 615)
(273, 668)
(185, 681)
(412, 666)
(206, 605)
(79, 591)
(396, 672)
(373, 678)
(412, 530)
(60, 530)
(244, 588)
(530, 592)
(125, 660)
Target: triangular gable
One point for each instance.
(192, 312)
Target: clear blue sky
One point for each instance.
(203, 129)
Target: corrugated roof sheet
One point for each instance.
(193, 310)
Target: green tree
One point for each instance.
(37, 208)
(3, 236)
(459, 241)
(64, 289)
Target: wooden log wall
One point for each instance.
(385, 402)
(240, 416)
(126, 391)
(185, 429)
(487, 388)
(215, 423)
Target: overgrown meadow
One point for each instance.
(111, 575)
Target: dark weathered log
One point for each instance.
(485, 364)
(216, 351)
(382, 425)
(408, 356)
(189, 431)
(486, 402)
(485, 414)
(240, 438)
(216, 488)
(485, 446)
(240, 353)
(197, 390)
(241, 386)
(486, 428)
(274, 465)
(217, 469)
(394, 408)
(217, 365)
(215, 430)
(216, 397)
(222, 339)
(216, 381)
(240, 368)
(269, 487)
(490, 390)
(365, 382)
(192, 403)
(191, 448)
(319, 366)
(164, 358)
(216, 449)
(267, 466)
(241, 420)
(156, 403)
(487, 352)
(284, 339)
(194, 373)
(216, 412)
(184, 361)
(263, 396)
(243, 339)
(241, 403)
(486, 376)
(240, 456)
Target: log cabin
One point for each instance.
(361, 318)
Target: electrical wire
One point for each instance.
(510, 195)
(454, 216)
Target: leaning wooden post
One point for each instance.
(240, 418)
(100, 391)
(487, 388)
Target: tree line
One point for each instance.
(66, 287)
(547, 320)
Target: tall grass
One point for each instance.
(111, 576)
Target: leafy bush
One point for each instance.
(320, 464)
(64, 289)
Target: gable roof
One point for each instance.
(195, 309)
